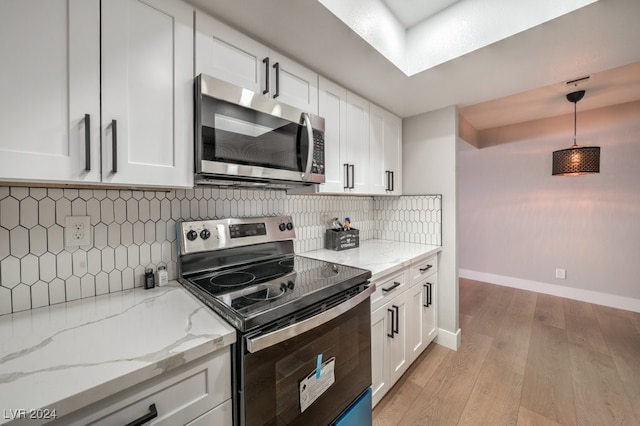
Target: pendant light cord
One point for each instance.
(575, 115)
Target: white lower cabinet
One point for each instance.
(380, 365)
(198, 393)
(403, 322)
(429, 316)
(416, 340)
(398, 337)
(222, 415)
(389, 345)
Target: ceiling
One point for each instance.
(411, 12)
(519, 78)
(617, 86)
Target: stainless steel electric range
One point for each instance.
(303, 351)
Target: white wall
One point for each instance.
(518, 223)
(429, 167)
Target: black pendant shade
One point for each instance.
(577, 160)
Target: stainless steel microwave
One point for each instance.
(244, 138)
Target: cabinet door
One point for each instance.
(385, 144)
(398, 344)
(357, 143)
(147, 93)
(416, 296)
(380, 323)
(229, 55)
(49, 80)
(332, 105)
(393, 154)
(430, 312)
(293, 84)
(377, 175)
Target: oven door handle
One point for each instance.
(262, 342)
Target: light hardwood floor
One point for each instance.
(526, 359)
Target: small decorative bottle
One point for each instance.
(163, 276)
(149, 278)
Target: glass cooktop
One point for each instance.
(258, 293)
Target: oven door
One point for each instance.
(243, 134)
(312, 377)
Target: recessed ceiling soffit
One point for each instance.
(416, 35)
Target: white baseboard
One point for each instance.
(448, 339)
(597, 298)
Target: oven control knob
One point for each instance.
(282, 226)
(289, 226)
(205, 233)
(192, 235)
(291, 285)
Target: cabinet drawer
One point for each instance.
(423, 269)
(222, 415)
(179, 398)
(388, 288)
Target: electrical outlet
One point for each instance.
(77, 231)
(561, 274)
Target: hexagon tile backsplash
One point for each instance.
(133, 230)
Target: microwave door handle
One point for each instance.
(271, 339)
(307, 122)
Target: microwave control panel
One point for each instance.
(317, 167)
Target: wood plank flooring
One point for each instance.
(525, 359)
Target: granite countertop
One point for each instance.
(67, 356)
(381, 257)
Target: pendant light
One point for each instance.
(577, 160)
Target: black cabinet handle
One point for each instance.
(87, 142)
(392, 321)
(390, 180)
(152, 414)
(426, 295)
(426, 268)
(277, 68)
(397, 315)
(346, 176)
(353, 175)
(393, 287)
(430, 293)
(428, 302)
(114, 146)
(265, 61)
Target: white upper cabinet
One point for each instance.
(377, 178)
(147, 92)
(50, 81)
(332, 105)
(385, 139)
(229, 55)
(356, 161)
(363, 144)
(50, 126)
(393, 154)
(293, 84)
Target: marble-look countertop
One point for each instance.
(381, 257)
(67, 356)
